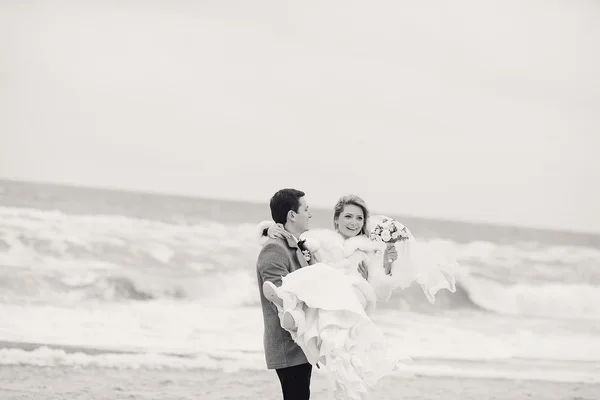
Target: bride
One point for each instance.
(326, 305)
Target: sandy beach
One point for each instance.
(69, 383)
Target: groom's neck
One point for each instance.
(291, 228)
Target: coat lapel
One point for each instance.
(299, 256)
(292, 243)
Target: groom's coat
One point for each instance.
(278, 258)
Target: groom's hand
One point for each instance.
(363, 270)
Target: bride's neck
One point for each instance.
(344, 237)
(351, 237)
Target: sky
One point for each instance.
(465, 110)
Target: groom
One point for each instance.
(278, 258)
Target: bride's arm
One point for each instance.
(379, 280)
(261, 231)
(266, 229)
(380, 269)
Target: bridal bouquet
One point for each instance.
(389, 231)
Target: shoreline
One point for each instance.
(76, 383)
(64, 356)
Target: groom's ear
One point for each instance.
(291, 215)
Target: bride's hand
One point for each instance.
(363, 270)
(389, 256)
(277, 231)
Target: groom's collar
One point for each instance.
(292, 242)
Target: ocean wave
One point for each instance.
(46, 356)
(549, 300)
(32, 237)
(546, 300)
(78, 286)
(28, 235)
(50, 256)
(238, 288)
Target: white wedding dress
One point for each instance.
(331, 303)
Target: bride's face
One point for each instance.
(351, 221)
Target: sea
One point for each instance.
(97, 278)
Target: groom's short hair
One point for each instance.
(282, 202)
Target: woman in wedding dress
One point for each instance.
(326, 305)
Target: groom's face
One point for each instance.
(303, 215)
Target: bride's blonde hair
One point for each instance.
(343, 202)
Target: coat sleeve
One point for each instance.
(273, 264)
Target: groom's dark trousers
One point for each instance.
(295, 381)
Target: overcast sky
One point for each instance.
(471, 110)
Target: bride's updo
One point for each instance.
(347, 200)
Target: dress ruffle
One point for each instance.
(334, 330)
